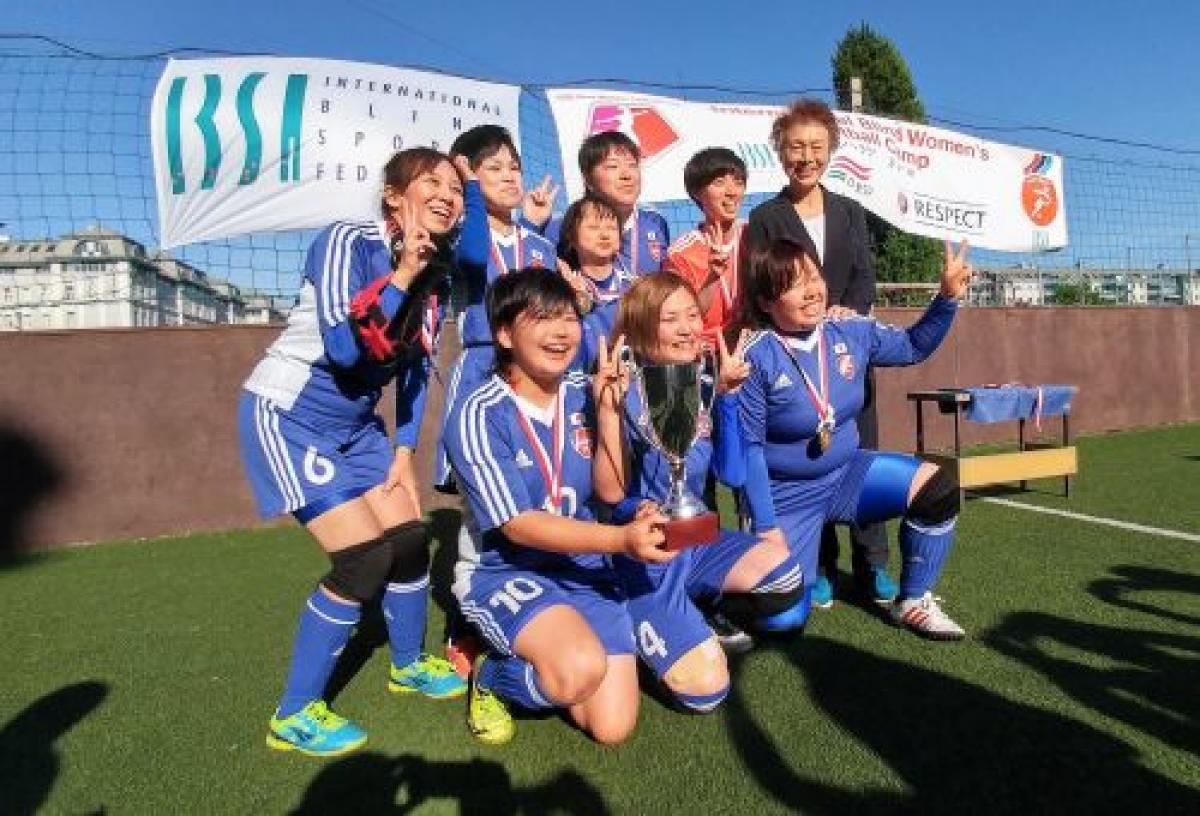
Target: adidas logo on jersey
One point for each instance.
(523, 460)
(783, 382)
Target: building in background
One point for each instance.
(97, 278)
(1032, 286)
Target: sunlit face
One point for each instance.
(801, 307)
(805, 153)
(500, 181)
(679, 329)
(721, 198)
(436, 197)
(542, 347)
(617, 179)
(597, 238)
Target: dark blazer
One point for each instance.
(848, 272)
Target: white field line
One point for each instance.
(1107, 522)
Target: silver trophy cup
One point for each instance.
(673, 397)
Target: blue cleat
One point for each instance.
(822, 592)
(879, 586)
(316, 731)
(432, 676)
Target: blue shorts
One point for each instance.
(501, 601)
(292, 466)
(871, 486)
(661, 597)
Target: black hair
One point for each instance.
(568, 234)
(595, 149)
(482, 142)
(540, 292)
(708, 165)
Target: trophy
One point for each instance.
(673, 399)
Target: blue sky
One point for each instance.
(1125, 70)
(1119, 71)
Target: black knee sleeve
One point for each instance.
(410, 552)
(747, 609)
(359, 572)
(937, 501)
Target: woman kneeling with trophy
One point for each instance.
(535, 576)
(667, 412)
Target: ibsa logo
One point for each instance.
(853, 174)
(642, 123)
(290, 117)
(1039, 196)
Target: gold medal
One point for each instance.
(824, 439)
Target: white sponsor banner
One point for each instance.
(248, 144)
(924, 180)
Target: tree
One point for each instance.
(888, 90)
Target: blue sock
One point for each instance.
(325, 626)
(925, 550)
(513, 679)
(702, 703)
(405, 607)
(786, 577)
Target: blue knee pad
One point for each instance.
(702, 703)
(790, 619)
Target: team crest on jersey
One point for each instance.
(537, 259)
(840, 348)
(582, 440)
(576, 418)
(845, 366)
(784, 381)
(655, 246)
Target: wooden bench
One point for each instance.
(1027, 462)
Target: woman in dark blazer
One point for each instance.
(834, 228)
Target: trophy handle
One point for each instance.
(708, 373)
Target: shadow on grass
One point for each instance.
(29, 761)
(28, 477)
(370, 783)
(1146, 679)
(955, 746)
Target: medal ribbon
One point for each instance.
(731, 272)
(635, 240)
(498, 256)
(819, 399)
(551, 470)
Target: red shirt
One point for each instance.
(688, 257)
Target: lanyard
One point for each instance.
(635, 241)
(498, 256)
(819, 398)
(552, 472)
(729, 281)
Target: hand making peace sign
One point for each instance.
(612, 375)
(418, 247)
(957, 273)
(539, 202)
(732, 369)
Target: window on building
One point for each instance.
(71, 319)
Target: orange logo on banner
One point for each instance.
(1040, 199)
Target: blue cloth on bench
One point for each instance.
(1009, 402)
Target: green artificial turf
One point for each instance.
(138, 678)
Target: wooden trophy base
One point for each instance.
(692, 532)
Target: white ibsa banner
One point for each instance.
(249, 144)
(922, 179)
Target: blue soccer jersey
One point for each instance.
(316, 370)
(520, 249)
(645, 239)
(779, 400)
(510, 458)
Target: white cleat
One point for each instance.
(924, 616)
